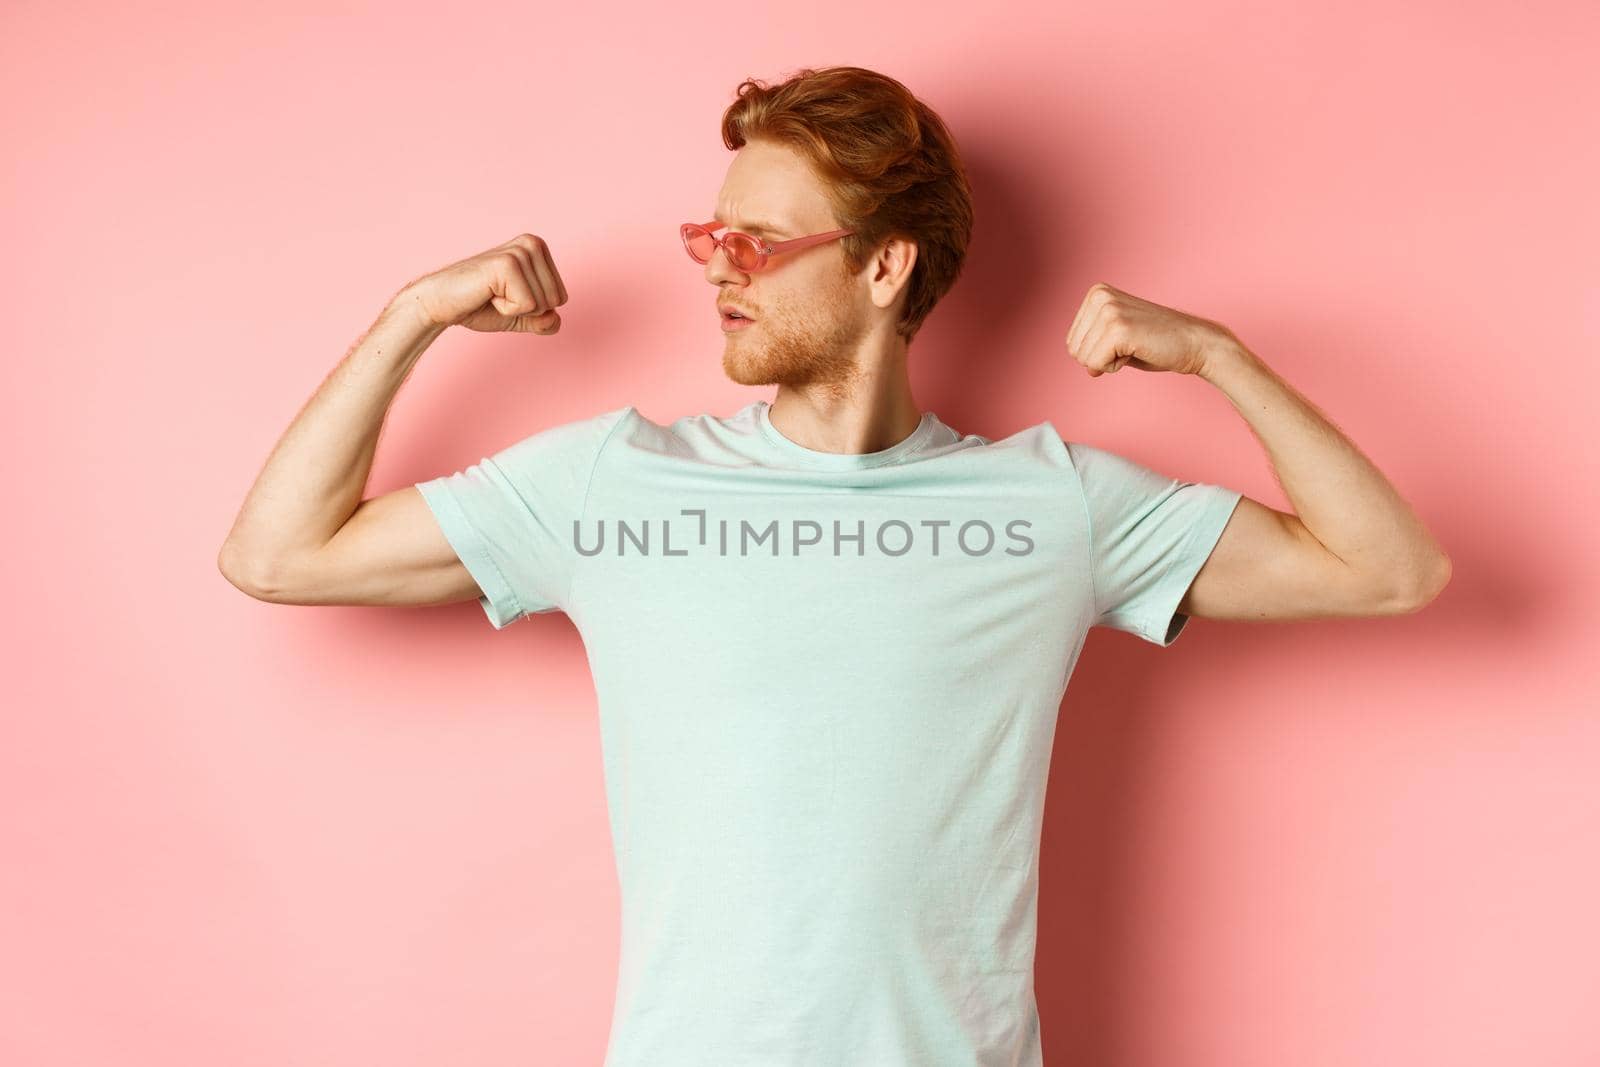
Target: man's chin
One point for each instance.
(744, 374)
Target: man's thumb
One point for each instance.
(545, 322)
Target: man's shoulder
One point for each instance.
(629, 431)
(1039, 443)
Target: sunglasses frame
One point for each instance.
(764, 250)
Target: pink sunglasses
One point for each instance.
(745, 252)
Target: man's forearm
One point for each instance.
(314, 478)
(1343, 500)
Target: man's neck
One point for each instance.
(874, 414)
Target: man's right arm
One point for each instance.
(304, 534)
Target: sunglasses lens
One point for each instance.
(742, 250)
(699, 243)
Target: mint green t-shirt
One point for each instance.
(827, 688)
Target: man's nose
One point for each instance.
(719, 268)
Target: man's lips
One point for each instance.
(726, 312)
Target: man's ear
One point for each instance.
(889, 273)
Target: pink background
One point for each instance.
(246, 834)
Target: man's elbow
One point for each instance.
(1422, 590)
(251, 574)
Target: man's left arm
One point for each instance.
(1352, 546)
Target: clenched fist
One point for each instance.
(514, 286)
(1115, 329)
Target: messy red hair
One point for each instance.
(891, 166)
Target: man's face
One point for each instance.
(809, 311)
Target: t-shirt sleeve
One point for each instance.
(1149, 536)
(510, 516)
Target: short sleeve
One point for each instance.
(1149, 536)
(510, 516)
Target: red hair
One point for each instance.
(891, 167)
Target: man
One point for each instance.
(829, 634)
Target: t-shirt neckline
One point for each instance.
(793, 450)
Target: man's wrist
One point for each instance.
(405, 307)
(1224, 358)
